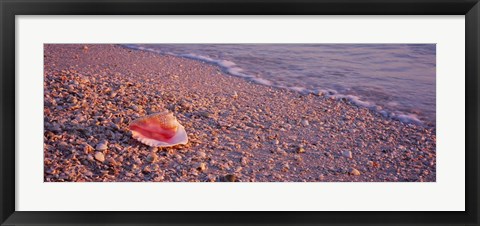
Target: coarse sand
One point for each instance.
(237, 130)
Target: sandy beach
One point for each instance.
(237, 130)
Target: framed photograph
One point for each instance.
(239, 112)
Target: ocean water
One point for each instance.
(397, 80)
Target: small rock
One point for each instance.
(355, 172)
(230, 178)
(347, 154)
(370, 163)
(84, 80)
(101, 147)
(152, 157)
(204, 114)
(305, 122)
(99, 156)
(56, 128)
(211, 178)
(201, 166)
(186, 106)
(297, 157)
(177, 156)
(300, 150)
(238, 169)
(134, 107)
(281, 152)
(87, 148)
(243, 161)
(111, 162)
(73, 100)
(202, 154)
(63, 146)
(103, 141)
(90, 158)
(235, 94)
(374, 164)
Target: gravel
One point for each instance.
(237, 130)
(99, 156)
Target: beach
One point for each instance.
(238, 131)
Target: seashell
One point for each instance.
(159, 130)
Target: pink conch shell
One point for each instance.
(159, 130)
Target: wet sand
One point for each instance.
(237, 130)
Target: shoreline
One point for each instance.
(238, 130)
(231, 69)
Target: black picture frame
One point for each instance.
(10, 8)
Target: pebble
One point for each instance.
(84, 80)
(243, 161)
(101, 147)
(201, 166)
(63, 146)
(99, 156)
(202, 154)
(238, 169)
(90, 158)
(204, 114)
(230, 178)
(281, 152)
(347, 154)
(56, 128)
(177, 156)
(152, 157)
(355, 172)
(210, 178)
(305, 122)
(87, 148)
(297, 158)
(330, 156)
(300, 150)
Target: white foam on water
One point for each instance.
(355, 100)
(300, 89)
(262, 81)
(408, 118)
(228, 66)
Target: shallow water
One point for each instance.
(398, 80)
